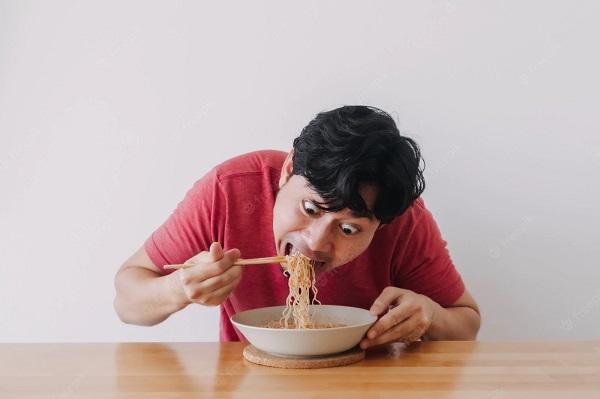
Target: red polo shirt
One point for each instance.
(233, 204)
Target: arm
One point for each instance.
(461, 321)
(427, 307)
(143, 295)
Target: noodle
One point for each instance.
(301, 283)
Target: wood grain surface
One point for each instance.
(490, 370)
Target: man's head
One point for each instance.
(350, 172)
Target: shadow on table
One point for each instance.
(151, 367)
(158, 367)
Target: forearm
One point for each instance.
(454, 323)
(146, 298)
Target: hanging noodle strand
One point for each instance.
(301, 282)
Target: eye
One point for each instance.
(349, 229)
(310, 208)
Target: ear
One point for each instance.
(286, 169)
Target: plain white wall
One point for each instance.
(110, 111)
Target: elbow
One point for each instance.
(124, 316)
(122, 307)
(474, 327)
(129, 317)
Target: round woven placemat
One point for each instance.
(254, 355)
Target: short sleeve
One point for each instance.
(191, 227)
(425, 266)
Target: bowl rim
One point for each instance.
(306, 330)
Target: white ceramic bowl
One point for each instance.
(305, 342)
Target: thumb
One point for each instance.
(233, 254)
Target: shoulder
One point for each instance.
(414, 215)
(257, 162)
(416, 227)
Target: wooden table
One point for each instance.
(489, 370)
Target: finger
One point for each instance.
(197, 292)
(233, 254)
(400, 332)
(216, 282)
(389, 296)
(202, 257)
(217, 296)
(226, 262)
(203, 271)
(216, 251)
(222, 293)
(394, 316)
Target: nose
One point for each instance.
(317, 236)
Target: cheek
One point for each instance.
(286, 217)
(351, 250)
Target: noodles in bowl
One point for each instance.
(301, 283)
(354, 323)
(303, 327)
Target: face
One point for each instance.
(331, 239)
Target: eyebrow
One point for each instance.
(367, 214)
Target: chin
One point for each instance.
(325, 268)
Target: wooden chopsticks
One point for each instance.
(239, 262)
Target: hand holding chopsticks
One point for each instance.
(215, 277)
(239, 262)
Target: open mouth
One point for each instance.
(291, 250)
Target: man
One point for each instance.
(348, 197)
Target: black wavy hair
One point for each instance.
(342, 149)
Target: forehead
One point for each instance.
(301, 187)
